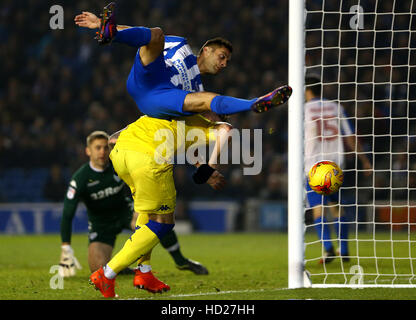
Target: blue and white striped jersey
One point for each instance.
(182, 64)
(159, 88)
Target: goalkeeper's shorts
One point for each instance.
(106, 232)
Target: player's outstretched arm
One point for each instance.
(217, 180)
(113, 138)
(207, 174)
(223, 138)
(68, 263)
(87, 20)
(150, 40)
(90, 20)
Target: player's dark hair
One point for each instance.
(96, 135)
(313, 83)
(217, 43)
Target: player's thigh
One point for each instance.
(335, 209)
(153, 183)
(164, 102)
(317, 212)
(198, 101)
(117, 157)
(314, 201)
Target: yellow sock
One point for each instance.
(142, 219)
(137, 247)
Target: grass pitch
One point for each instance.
(243, 266)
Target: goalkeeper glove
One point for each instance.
(68, 263)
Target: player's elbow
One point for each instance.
(225, 126)
(225, 129)
(158, 37)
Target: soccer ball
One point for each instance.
(325, 177)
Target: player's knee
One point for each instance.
(198, 102)
(194, 105)
(160, 229)
(317, 212)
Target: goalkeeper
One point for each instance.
(110, 210)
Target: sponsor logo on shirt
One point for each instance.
(107, 192)
(93, 183)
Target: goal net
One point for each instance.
(364, 55)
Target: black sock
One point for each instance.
(170, 243)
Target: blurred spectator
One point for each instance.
(55, 185)
(59, 85)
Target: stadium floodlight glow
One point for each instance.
(365, 56)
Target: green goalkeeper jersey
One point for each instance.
(104, 194)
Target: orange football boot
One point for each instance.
(105, 285)
(147, 281)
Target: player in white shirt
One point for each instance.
(326, 130)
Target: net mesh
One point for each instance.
(364, 53)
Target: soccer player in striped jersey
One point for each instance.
(165, 78)
(110, 210)
(326, 129)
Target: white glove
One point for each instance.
(68, 263)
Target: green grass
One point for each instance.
(242, 266)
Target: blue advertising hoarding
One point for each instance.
(38, 218)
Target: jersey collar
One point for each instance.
(96, 169)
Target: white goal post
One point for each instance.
(364, 55)
(295, 145)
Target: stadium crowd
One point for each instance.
(58, 85)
